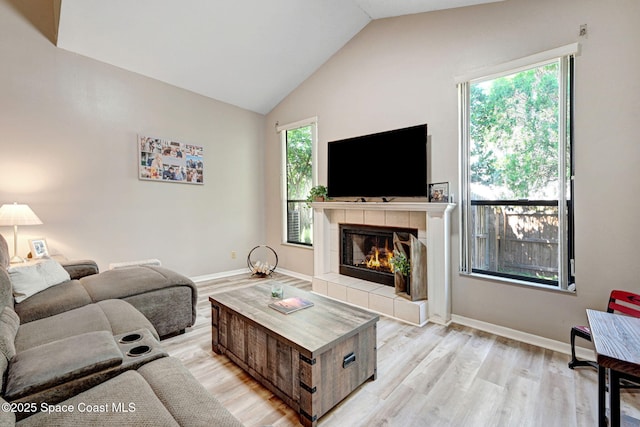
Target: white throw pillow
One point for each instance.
(26, 281)
(31, 278)
(53, 272)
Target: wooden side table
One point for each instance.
(617, 342)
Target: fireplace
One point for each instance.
(433, 222)
(366, 250)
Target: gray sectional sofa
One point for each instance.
(84, 352)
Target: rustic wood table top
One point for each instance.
(313, 329)
(617, 341)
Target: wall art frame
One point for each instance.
(166, 160)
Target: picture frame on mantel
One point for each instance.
(439, 192)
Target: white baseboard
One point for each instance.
(559, 346)
(220, 275)
(294, 274)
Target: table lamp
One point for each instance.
(16, 215)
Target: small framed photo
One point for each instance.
(439, 192)
(38, 247)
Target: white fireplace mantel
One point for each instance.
(387, 206)
(437, 235)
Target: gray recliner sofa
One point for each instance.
(95, 364)
(160, 393)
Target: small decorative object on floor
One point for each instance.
(262, 261)
(262, 268)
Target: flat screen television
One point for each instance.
(386, 164)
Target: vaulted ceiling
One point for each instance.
(249, 53)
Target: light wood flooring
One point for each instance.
(429, 376)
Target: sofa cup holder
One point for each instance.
(139, 350)
(127, 339)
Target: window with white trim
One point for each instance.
(299, 175)
(517, 173)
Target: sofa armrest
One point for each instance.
(61, 361)
(7, 418)
(80, 268)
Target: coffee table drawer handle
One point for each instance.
(348, 359)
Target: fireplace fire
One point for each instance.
(378, 258)
(366, 251)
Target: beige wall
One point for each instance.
(68, 128)
(400, 72)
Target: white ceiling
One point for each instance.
(249, 53)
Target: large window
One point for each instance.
(299, 142)
(517, 175)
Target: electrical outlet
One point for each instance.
(583, 30)
(233, 254)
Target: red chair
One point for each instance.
(622, 302)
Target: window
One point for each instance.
(516, 173)
(299, 175)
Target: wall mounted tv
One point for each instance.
(387, 164)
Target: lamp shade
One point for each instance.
(18, 214)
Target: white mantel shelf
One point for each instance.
(387, 206)
(437, 308)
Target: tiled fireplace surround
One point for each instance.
(432, 220)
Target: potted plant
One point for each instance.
(400, 263)
(401, 269)
(317, 193)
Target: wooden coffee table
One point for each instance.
(311, 359)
